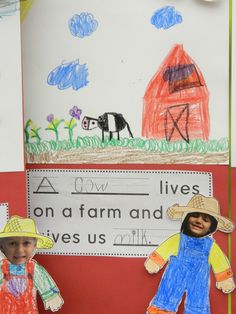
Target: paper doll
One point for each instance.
(20, 276)
(191, 253)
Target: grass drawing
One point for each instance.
(161, 146)
(86, 148)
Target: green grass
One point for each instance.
(159, 146)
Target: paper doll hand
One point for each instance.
(226, 285)
(151, 266)
(54, 304)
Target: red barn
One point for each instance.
(175, 104)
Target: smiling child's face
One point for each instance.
(199, 224)
(18, 250)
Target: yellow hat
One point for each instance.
(202, 204)
(25, 227)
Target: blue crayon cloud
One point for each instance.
(166, 17)
(82, 25)
(8, 7)
(71, 74)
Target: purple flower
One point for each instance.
(75, 112)
(50, 118)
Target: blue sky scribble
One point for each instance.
(71, 74)
(166, 17)
(8, 7)
(82, 25)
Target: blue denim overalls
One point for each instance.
(188, 272)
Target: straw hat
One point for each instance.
(202, 204)
(25, 227)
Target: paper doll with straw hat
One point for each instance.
(20, 276)
(191, 254)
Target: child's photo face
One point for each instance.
(18, 250)
(199, 224)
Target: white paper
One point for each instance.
(3, 215)
(122, 55)
(11, 110)
(109, 212)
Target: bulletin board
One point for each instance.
(85, 65)
(121, 284)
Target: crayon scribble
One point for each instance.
(71, 74)
(75, 114)
(176, 100)
(8, 7)
(166, 17)
(82, 25)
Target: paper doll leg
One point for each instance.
(155, 310)
(193, 309)
(197, 296)
(171, 289)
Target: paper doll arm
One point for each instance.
(158, 258)
(47, 288)
(221, 268)
(54, 304)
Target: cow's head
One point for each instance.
(89, 123)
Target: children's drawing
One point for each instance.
(83, 25)
(174, 112)
(75, 114)
(53, 124)
(175, 105)
(20, 276)
(190, 255)
(9, 7)
(166, 17)
(111, 122)
(70, 74)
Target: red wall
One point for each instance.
(105, 285)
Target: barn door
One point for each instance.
(177, 122)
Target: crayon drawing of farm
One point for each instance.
(107, 114)
(175, 125)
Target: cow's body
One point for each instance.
(110, 122)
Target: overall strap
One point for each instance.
(5, 269)
(30, 269)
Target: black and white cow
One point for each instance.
(111, 122)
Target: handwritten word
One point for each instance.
(166, 17)
(133, 237)
(82, 25)
(71, 74)
(83, 185)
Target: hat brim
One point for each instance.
(224, 224)
(43, 242)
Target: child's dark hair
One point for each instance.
(185, 227)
